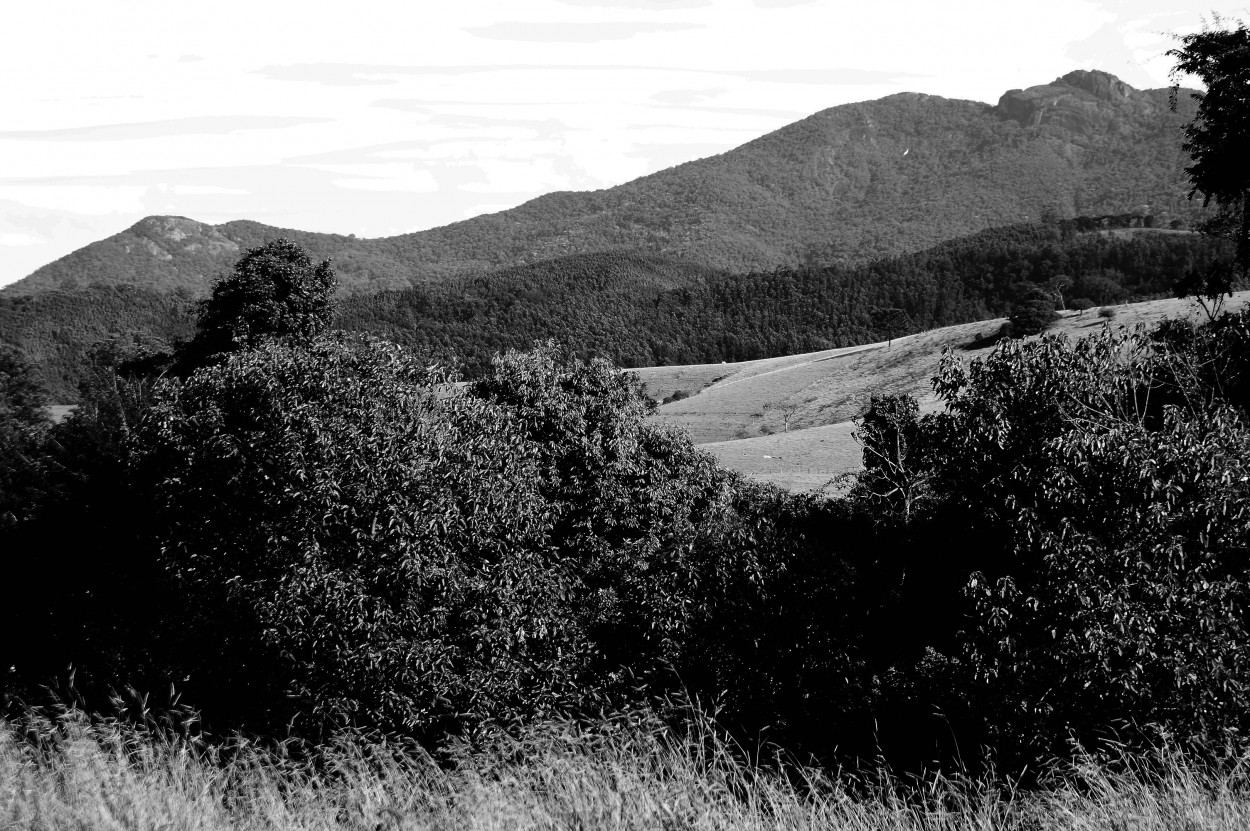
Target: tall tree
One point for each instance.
(1218, 136)
(274, 290)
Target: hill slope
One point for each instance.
(738, 412)
(846, 185)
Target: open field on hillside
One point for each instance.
(739, 411)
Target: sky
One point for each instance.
(381, 118)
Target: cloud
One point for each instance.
(782, 4)
(657, 5)
(351, 74)
(487, 208)
(208, 190)
(190, 58)
(792, 115)
(390, 177)
(199, 125)
(20, 240)
(500, 119)
(662, 155)
(345, 74)
(845, 76)
(681, 97)
(567, 32)
(426, 105)
(360, 74)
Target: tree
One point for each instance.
(1057, 285)
(1034, 313)
(891, 322)
(894, 476)
(23, 421)
(1209, 286)
(1218, 136)
(274, 290)
(788, 410)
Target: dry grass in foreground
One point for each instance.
(619, 775)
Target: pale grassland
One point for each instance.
(618, 775)
(738, 411)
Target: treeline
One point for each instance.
(293, 529)
(56, 330)
(643, 311)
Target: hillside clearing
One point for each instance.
(739, 411)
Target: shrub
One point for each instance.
(638, 512)
(1107, 313)
(1033, 314)
(357, 539)
(1099, 480)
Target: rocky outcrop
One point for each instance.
(1085, 102)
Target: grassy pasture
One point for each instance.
(738, 411)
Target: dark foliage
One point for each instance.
(274, 291)
(22, 422)
(642, 312)
(1217, 136)
(1033, 313)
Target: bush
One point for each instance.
(639, 514)
(1099, 480)
(1033, 314)
(1107, 313)
(356, 538)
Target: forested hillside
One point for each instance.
(845, 186)
(640, 310)
(617, 306)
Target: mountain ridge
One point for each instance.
(845, 185)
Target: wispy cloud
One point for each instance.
(656, 5)
(682, 97)
(569, 32)
(343, 74)
(846, 76)
(200, 125)
(751, 111)
(359, 74)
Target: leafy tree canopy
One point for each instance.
(274, 290)
(1219, 134)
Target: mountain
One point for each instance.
(844, 186)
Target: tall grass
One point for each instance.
(619, 774)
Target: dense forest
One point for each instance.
(638, 310)
(619, 307)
